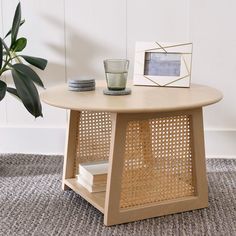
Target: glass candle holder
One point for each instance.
(116, 73)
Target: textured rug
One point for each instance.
(32, 203)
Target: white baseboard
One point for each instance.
(220, 157)
(32, 140)
(47, 140)
(220, 143)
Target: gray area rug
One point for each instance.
(32, 203)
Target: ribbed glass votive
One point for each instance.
(116, 73)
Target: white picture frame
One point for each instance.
(163, 64)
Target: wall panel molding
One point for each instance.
(95, 30)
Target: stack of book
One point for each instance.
(93, 176)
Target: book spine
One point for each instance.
(86, 175)
(91, 188)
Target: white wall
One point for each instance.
(214, 36)
(76, 35)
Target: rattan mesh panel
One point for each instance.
(158, 161)
(93, 137)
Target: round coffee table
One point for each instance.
(153, 140)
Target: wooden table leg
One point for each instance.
(70, 147)
(116, 163)
(199, 160)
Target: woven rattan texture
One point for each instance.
(93, 137)
(158, 161)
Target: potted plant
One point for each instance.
(24, 77)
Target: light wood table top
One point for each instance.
(142, 99)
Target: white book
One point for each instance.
(94, 172)
(91, 188)
(95, 184)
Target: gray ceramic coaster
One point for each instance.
(81, 81)
(81, 89)
(85, 85)
(126, 91)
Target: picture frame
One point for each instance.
(163, 64)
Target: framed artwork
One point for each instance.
(163, 64)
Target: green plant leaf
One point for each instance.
(3, 89)
(19, 45)
(28, 73)
(16, 24)
(36, 61)
(13, 91)
(1, 53)
(9, 32)
(6, 47)
(28, 93)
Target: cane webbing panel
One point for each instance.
(93, 137)
(158, 161)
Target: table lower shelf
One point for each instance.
(96, 199)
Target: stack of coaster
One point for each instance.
(81, 84)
